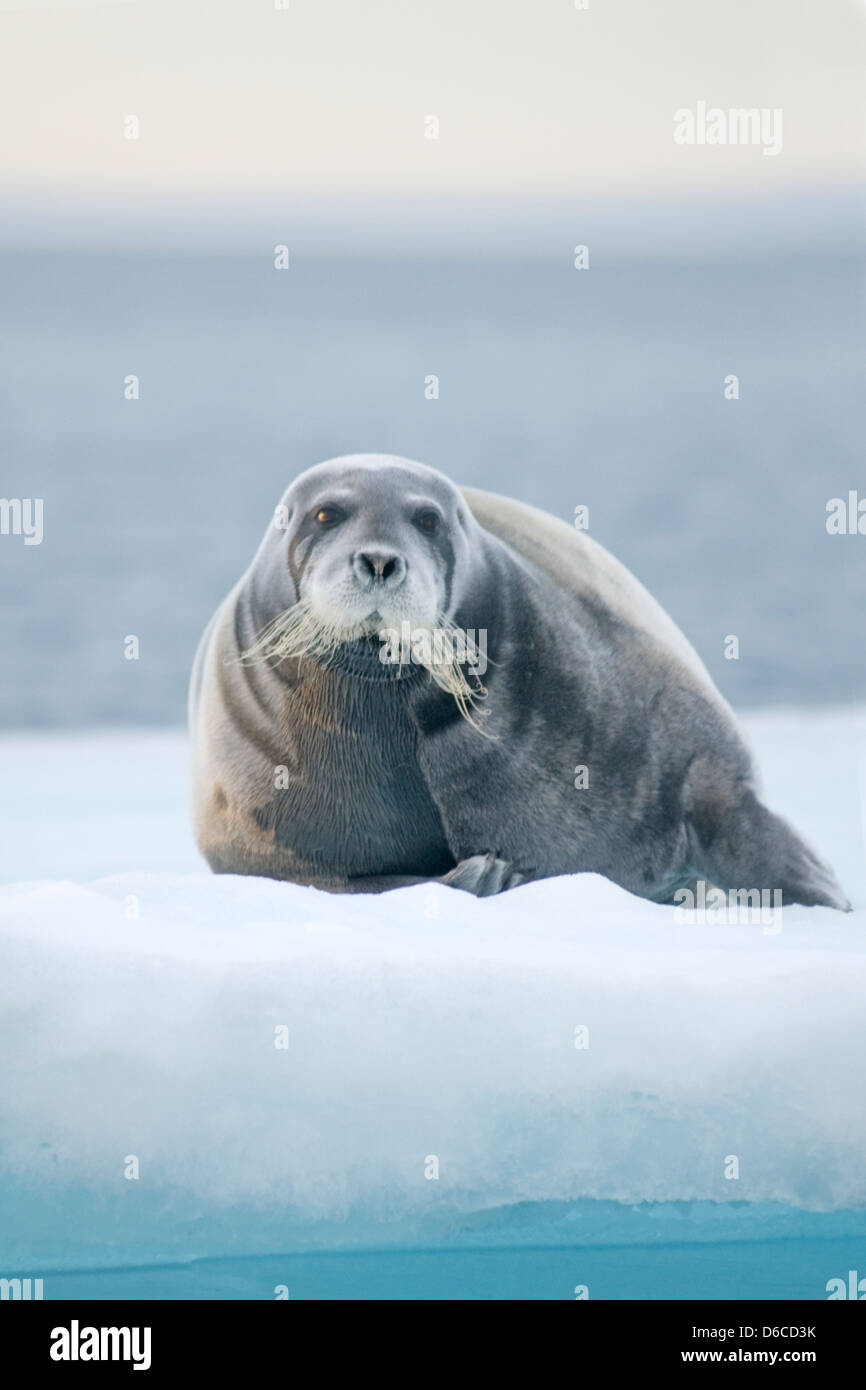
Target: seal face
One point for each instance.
(413, 681)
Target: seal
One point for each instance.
(414, 681)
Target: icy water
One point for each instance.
(789, 1270)
(602, 388)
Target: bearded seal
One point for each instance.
(326, 751)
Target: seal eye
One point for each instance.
(428, 522)
(328, 516)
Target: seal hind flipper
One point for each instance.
(745, 847)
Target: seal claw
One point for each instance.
(483, 875)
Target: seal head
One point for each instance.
(357, 550)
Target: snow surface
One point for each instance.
(139, 998)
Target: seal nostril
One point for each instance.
(380, 567)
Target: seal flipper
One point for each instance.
(746, 846)
(483, 875)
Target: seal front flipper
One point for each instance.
(483, 875)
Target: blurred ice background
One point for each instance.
(602, 387)
(409, 257)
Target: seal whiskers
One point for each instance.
(300, 631)
(445, 665)
(297, 632)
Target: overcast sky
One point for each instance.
(328, 99)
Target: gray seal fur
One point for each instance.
(338, 770)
